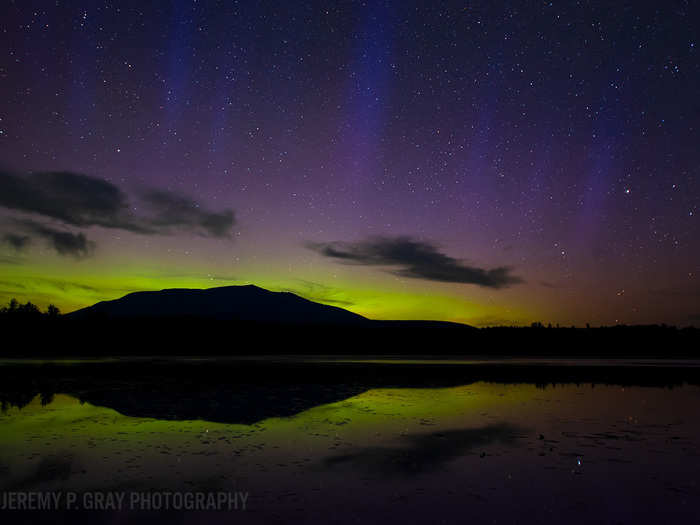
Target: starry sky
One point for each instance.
(481, 162)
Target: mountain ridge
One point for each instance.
(239, 303)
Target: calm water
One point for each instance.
(491, 452)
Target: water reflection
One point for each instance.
(49, 469)
(420, 453)
(248, 391)
(323, 445)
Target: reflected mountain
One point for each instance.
(247, 391)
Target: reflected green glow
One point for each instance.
(75, 446)
(100, 440)
(360, 453)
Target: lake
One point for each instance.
(314, 440)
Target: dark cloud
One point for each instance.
(18, 242)
(64, 242)
(319, 293)
(50, 469)
(415, 259)
(83, 201)
(75, 199)
(180, 212)
(419, 454)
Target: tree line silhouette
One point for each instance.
(102, 335)
(28, 311)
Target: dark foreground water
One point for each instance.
(301, 441)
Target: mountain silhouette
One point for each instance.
(229, 303)
(249, 320)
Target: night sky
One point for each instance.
(481, 162)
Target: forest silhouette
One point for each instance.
(31, 332)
